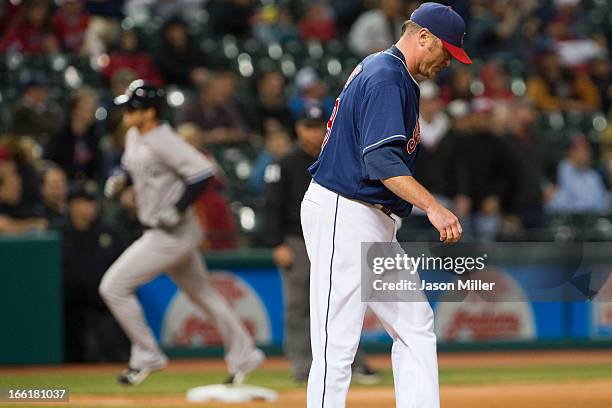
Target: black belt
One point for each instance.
(380, 207)
(383, 209)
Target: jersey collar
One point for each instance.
(396, 53)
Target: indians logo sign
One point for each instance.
(186, 325)
(476, 318)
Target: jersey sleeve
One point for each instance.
(180, 156)
(386, 162)
(382, 117)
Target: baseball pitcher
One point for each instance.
(364, 174)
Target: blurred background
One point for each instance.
(519, 144)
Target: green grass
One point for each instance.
(157, 383)
(179, 382)
(531, 374)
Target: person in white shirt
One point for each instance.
(375, 29)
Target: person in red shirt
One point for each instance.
(496, 83)
(8, 12)
(318, 23)
(128, 54)
(70, 24)
(31, 31)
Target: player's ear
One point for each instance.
(423, 37)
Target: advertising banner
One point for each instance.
(509, 292)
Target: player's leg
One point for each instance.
(336, 317)
(145, 259)
(415, 364)
(241, 355)
(334, 228)
(296, 285)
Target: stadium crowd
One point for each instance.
(517, 144)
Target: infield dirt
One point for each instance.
(569, 393)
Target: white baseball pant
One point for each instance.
(334, 228)
(177, 254)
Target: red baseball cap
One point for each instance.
(446, 24)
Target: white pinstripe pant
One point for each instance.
(334, 228)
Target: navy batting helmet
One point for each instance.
(142, 95)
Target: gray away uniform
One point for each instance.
(160, 163)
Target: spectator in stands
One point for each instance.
(76, 148)
(113, 126)
(346, 12)
(55, 197)
(16, 216)
(120, 80)
(485, 172)
(580, 189)
(496, 83)
(71, 24)
(532, 161)
(89, 248)
(231, 17)
(21, 150)
(104, 25)
(375, 29)
(129, 54)
(462, 126)
(165, 9)
(311, 90)
(35, 114)
(9, 10)
(435, 165)
(216, 112)
(432, 169)
(572, 14)
(459, 85)
(180, 60)
(554, 88)
(600, 71)
(274, 24)
(278, 144)
(571, 34)
(31, 32)
(269, 109)
(496, 27)
(318, 22)
(229, 84)
(212, 207)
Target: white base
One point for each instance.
(230, 393)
